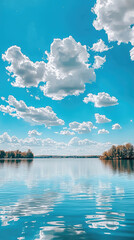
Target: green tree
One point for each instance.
(2, 154)
(29, 154)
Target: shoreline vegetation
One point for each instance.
(10, 155)
(123, 152)
(5, 155)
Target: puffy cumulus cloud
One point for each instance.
(67, 69)
(30, 141)
(100, 46)
(98, 62)
(5, 138)
(103, 131)
(39, 142)
(84, 127)
(33, 133)
(66, 132)
(88, 146)
(101, 100)
(75, 141)
(50, 143)
(116, 18)
(25, 72)
(49, 146)
(37, 116)
(116, 126)
(65, 73)
(67, 55)
(101, 118)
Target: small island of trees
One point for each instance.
(16, 154)
(119, 152)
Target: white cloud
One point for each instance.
(31, 142)
(37, 116)
(66, 72)
(75, 141)
(100, 46)
(3, 98)
(101, 100)
(49, 146)
(33, 133)
(5, 138)
(66, 132)
(37, 98)
(67, 69)
(98, 62)
(101, 118)
(116, 126)
(116, 18)
(25, 72)
(81, 128)
(87, 145)
(103, 131)
(132, 54)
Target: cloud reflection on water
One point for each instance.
(71, 197)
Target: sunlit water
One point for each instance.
(67, 199)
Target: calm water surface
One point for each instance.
(67, 199)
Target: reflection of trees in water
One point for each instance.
(15, 162)
(121, 165)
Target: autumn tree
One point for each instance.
(119, 152)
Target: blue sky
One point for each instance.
(32, 26)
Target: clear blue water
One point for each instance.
(67, 199)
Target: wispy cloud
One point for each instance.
(37, 116)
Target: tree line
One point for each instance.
(119, 152)
(16, 154)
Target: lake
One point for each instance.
(72, 199)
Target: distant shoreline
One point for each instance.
(48, 156)
(67, 156)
